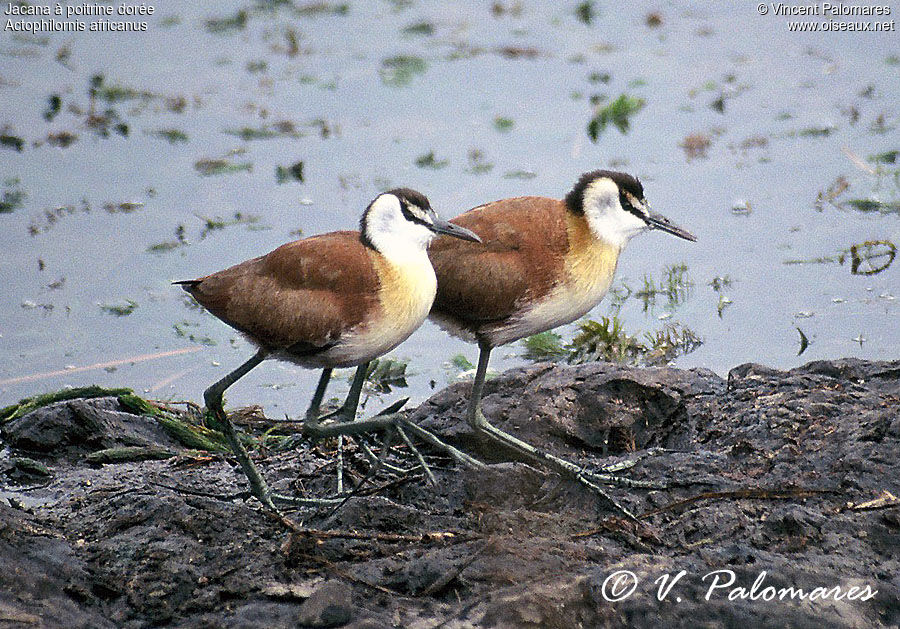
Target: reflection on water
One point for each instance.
(866, 258)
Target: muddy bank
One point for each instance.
(113, 515)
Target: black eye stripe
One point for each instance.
(628, 206)
(410, 215)
(625, 182)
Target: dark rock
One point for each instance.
(331, 605)
(775, 479)
(78, 426)
(601, 406)
(44, 582)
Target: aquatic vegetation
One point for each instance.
(7, 140)
(804, 342)
(419, 28)
(120, 310)
(13, 195)
(607, 340)
(400, 70)
(314, 9)
(26, 405)
(239, 218)
(503, 124)
(294, 172)
(221, 166)
(519, 174)
(585, 12)
(172, 136)
(384, 373)
(866, 258)
(887, 157)
(182, 332)
(461, 363)
(428, 160)
(720, 282)
(603, 340)
(54, 104)
(478, 164)
(284, 128)
(617, 113)
(544, 346)
(675, 286)
(236, 22)
(696, 145)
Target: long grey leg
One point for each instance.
(480, 423)
(312, 413)
(213, 398)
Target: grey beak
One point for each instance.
(658, 221)
(444, 227)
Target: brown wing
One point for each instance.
(521, 254)
(304, 293)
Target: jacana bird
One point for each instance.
(336, 300)
(542, 263)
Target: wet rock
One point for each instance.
(44, 581)
(775, 479)
(605, 407)
(75, 427)
(331, 605)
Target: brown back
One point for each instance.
(305, 292)
(523, 247)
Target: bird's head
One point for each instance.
(401, 219)
(614, 205)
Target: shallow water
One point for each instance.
(785, 115)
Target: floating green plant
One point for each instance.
(13, 195)
(887, 157)
(461, 363)
(804, 342)
(235, 22)
(252, 221)
(172, 136)
(617, 113)
(14, 142)
(384, 373)
(478, 164)
(284, 128)
(519, 174)
(503, 124)
(428, 160)
(585, 12)
(675, 287)
(294, 172)
(313, 9)
(181, 330)
(120, 310)
(544, 346)
(866, 258)
(400, 70)
(603, 340)
(210, 167)
(419, 28)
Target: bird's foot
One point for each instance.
(591, 480)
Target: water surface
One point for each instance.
(745, 128)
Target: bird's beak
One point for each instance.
(444, 227)
(658, 221)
